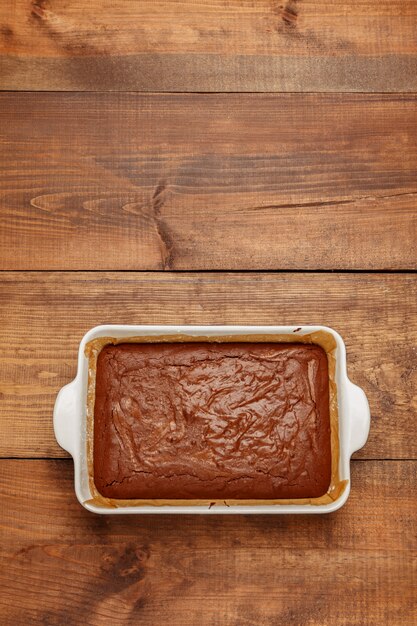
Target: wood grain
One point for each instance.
(130, 181)
(44, 315)
(216, 45)
(62, 565)
(207, 181)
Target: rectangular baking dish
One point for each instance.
(74, 407)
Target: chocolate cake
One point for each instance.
(212, 421)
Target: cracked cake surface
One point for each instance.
(212, 421)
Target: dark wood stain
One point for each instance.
(24, 551)
(6, 31)
(166, 239)
(39, 9)
(289, 13)
(138, 605)
(121, 569)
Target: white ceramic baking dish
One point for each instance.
(70, 417)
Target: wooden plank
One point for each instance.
(208, 181)
(44, 315)
(62, 565)
(219, 45)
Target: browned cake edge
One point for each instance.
(320, 338)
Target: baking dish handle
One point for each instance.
(359, 418)
(65, 417)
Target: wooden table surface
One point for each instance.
(213, 162)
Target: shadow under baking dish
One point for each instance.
(321, 338)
